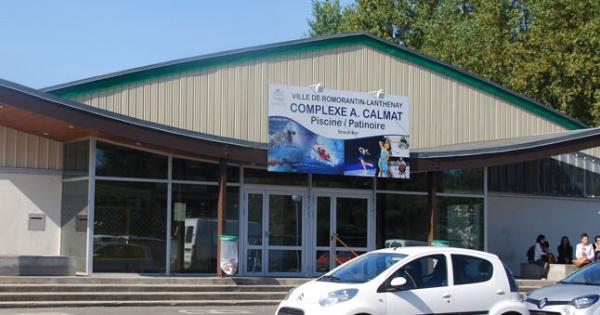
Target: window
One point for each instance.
(404, 217)
(364, 268)
(468, 269)
(423, 273)
(76, 158)
(117, 161)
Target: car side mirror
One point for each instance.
(398, 282)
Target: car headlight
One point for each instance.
(289, 294)
(585, 301)
(338, 296)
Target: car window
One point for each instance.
(469, 269)
(363, 268)
(426, 272)
(589, 275)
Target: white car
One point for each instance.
(411, 280)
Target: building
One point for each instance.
(131, 171)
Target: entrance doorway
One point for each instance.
(291, 232)
(274, 233)
(343, 228)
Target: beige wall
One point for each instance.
(23, 150)
(515, 221)
(20, 195)
(231, 100)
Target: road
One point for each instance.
(176, 310)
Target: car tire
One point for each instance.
(512, 313)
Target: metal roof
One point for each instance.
(88, 85)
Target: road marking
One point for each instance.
(214, 312)
(53, 313)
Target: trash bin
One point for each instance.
(229, 254)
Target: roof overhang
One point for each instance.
(504, 151)
(43, 114)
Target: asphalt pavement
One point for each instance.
(175, 310)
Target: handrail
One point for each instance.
(335, 238)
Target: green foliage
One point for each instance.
(545, 49)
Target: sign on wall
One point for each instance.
(322, 131)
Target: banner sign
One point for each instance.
(338, 132)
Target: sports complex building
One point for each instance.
(137, 171)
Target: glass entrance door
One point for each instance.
(344, 227)
(274, 232)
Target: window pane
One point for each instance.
(426, 272)
(254, 261)
(258, 176)
(323, 220)
(195, 170)
(467, 181)
(285, 260)
(352, 221)
(403, 217)
(74, 222)
(285, 220)
(194, 226)
(255, 219)
(117, 161)
(335, 181)
(460, 221)
(130, 227)
(76, 159)
(468, 269)
(417, 182)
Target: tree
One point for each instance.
(545, 49)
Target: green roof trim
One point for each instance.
(95, 84)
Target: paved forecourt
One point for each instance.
(176, 310)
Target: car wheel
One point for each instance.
(512, 313)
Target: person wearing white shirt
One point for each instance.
(584, 252)
(540, 255)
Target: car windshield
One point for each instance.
(590, 275)
(363, 268)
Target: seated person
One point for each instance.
(584, 252)
(565, 251)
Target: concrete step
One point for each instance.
(116, 303)
(157, 280)
(140, 296)
(17, 288)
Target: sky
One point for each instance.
(44, 42)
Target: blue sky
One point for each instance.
(45, 42)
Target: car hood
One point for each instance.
(311, 292)
(563, 292)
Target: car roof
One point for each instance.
(418, 250)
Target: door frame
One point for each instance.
(335, 193)
(266, 191)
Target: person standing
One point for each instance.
(584, 252)
(565, 251)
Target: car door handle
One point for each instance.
(500, 292)
(447, 295)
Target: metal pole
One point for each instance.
(432, 204)
(221, 208)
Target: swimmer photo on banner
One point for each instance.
(322, 131)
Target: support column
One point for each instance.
(221, 209)
(432, 204)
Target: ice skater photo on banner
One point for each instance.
(384, 158)
(359, 159)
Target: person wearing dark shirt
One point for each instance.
(565, 251)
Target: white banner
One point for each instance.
(338, 132)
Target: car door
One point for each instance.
(476, 287)
(426, 290)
